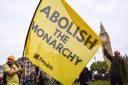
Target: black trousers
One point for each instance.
(116, 81)
(83, 83)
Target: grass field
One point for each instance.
(96, 83)
(91, 83)
(77, 83)
(99, 83)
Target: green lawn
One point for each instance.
(96, 83)
(99, 83)
(77, 83)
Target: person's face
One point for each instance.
(117, 56)
(10, 61)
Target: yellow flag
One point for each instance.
(59, 41)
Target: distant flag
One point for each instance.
(59, 41)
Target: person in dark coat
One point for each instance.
(85, 76)
(117, 68)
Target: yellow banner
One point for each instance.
(59, 41)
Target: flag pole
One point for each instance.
(23, 54)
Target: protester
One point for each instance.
(41, 79)
(1, 80)
(126, 66)
(85, 76)
(117, 68)
(12, 71)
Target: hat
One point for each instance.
(11, 57)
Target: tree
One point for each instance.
(99, 66)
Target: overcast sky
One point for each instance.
(16, 15)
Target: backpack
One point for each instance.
(5, 74)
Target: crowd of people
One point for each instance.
(100, 76)
(118, 74)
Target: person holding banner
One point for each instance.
(117, 70)
(12, 72)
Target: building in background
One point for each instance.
(106, 40)
(27, 65)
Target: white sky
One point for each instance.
(16, 15)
